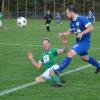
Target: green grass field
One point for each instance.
(16, 69)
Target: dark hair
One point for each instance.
(46, 39)
(72, 8)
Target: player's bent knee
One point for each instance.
(39, 79)
(85, 58)
(71, 53)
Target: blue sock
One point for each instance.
(64, 64)
(93, 62)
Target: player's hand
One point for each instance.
(80, 35)
(30, 56)
(61, 35)
(65, 40)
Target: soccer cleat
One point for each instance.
(58, 74)
(97, 70)
(62, 80)
(58, 85)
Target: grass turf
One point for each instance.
(16, 69)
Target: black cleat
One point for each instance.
(97, 71)
(58, 85)
(58, 74)
(62, 80)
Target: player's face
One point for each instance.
(90, 12)
(46, 45)
(48, 12)
(68, 14)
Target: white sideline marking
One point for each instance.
(75, 70)
(33, 83)
(34, 45)
(27, 45)
(17, 88)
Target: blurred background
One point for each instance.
(38, 8)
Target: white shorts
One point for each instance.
(0, 23)
(46, 74)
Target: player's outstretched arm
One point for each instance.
(61, 35)
(89, 28)
(64, 48)
(93, 18)
(35, 63)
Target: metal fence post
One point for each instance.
(84, 7)
(17, 9)
(44, 7)
(35, 8)
(26, 9)
(54, 9)
(3, 3)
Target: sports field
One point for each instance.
(17, 74)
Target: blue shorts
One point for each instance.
(81, 48)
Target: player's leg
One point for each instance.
(57, 80)
(0, 23)
(77, 49)
(57, 22)
(48, 26)
(50, 75)
(85, 57)
(2, 26)
(60, 21)
(40, 79)
(67, 60)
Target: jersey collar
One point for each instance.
(48, 50)
(75, 18)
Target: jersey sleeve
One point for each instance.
(85, 21)
(56, 51)
(40, 59)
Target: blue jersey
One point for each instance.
(90, 17)
(79, 25)
(58, 17)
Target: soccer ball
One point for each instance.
(21, 22)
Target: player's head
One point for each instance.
(90, 11)
(58, 13)
(48, 12)
(46, 44)
(71, 11)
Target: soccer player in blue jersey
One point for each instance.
(81, 27)
(91, 16)
(58, 18)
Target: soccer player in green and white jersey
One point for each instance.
(1, 24)
(49, 60)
